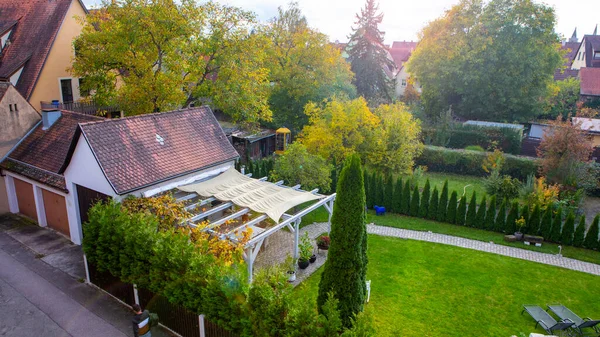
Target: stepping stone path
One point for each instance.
(316, 229)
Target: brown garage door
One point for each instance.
(25, 198)
(56, 212)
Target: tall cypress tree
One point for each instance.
(579, 233)
(433, 204)
(480, 216)
(406, 198)
(345, 270)
(591, 238)
(380, 190)
(546, 224)
(500, 222)
(452, 204)
(556, 226)
(414, 201)
(472, 211)
(397, 204)
(566, 237)
(525, 216)
(534, 220)
(461, 212)
(373, 188)
(513, 215)
(388, 192)
(443, 206)
(367, 55)
(490, 216)
(368, 196)
(425, 200)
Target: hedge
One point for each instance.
(461, 136)
(439, 159)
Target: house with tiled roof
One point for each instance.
(36, 48)
(97, 159)
(401, 52)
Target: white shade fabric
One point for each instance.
(259, 196)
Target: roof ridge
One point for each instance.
(144, 116)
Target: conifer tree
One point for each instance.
(250, 169)
(368, 197)
(566, 237)
(472, 211)
(579, 233)
(397, 204)
(546, 224)
(344, 273)
(525, 216)
(591, 238)
(414, 201)
(380, 190)
(433, 204)
(534, 220)
(406, 198)
(500, 222)
(480, 216)
(443, 206)
(388, 193)
(556, 226)
(424, 207)
(490, 216)
(452, 204)
(461, 212)
(373, 188)
(513, 215)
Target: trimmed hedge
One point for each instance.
(461, 136)
(439, 159)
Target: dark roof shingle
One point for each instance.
(590, 81)
(140, 151)
(37, 23)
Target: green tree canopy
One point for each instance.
(488, 60)
(297, 166)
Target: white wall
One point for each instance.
(14, 78)
(579, 60)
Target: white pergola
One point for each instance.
(252, 247)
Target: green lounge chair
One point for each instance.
(546, 321)
(580, 323)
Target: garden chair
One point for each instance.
(546, 321)
(580, 323)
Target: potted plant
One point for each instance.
(306, 251)
(519, 223)
(323, 242)
(290, 264)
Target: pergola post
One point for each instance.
(329, 208)
(249, 262)
(297, 238)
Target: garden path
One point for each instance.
(316, 229)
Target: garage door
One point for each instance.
(25, 199)
(56, 212)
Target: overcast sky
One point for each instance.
(404, 19)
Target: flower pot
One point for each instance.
(302, 264)
(291, 276)
(519, 236)
(323, 247)
(313, 259)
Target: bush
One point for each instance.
(525, 216)
(414, 202)
(591, 238)
(556, 226)
(388, 193)
(472, 211)
(475, 148)
(480, 216)
(513, 215)
(500, 222)
(406, 198)
(380, 196)
(452, 204)
(397, 202)
(534, 220)
(490, 216)
(504, 187)
(461, 136)
(443, 206)
(579, 236)
(433, 205)
(461, 212)
(546, 225)
(425, 200)
(439, 159)
(568, 229)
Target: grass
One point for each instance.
(418, 224)
(455, 183)
(427, 289)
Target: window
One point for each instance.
(16, 107)
(579, 56)
(597, 55)
(10, 107)
(66, 90)
(403, 82)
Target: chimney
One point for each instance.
(49, 117)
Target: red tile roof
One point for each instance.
(590, 81)
(36, 24)
(563, 74)
(140, 151)
(401, 52)
(42, 154)
(404, 45)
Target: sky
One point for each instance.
(403, 20)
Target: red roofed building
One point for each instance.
(590, 83)
(36, 43)
(401, 52)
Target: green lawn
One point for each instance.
(399, 221)
(427, 289)
(455, 183)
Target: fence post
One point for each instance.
(87, 270)
(201, 321)
(136, 297)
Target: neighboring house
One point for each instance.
(588, 53)
(590, 125)
(401, 52)
(18, 118)
(590, 83)
(36, 39)
(571, 48)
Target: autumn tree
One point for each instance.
(562, 98)
(303, 67)
(368, 56)
(564, 150)
(149, 56)
(488, 60)
(297, 166)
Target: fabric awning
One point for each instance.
(259, 196)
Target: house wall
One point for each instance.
(15, 124)
(4, 205)
(579, 61)
(403, 75)
(59, 60)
